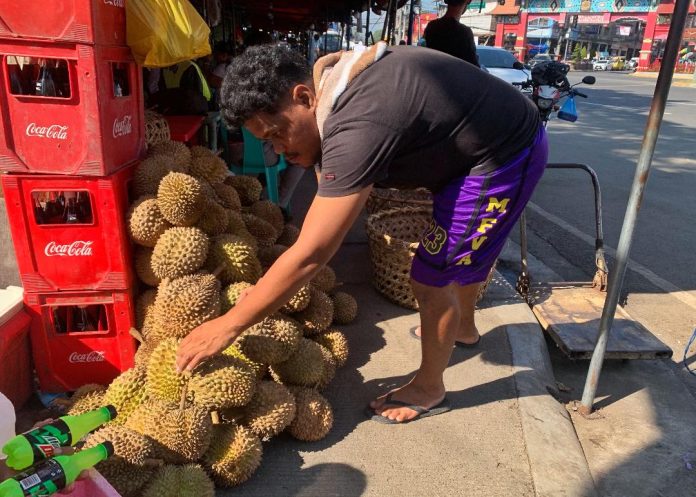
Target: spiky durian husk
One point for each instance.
(184, 303)
(269, 212)
(144, 306)
(271, 341)
(337, 343)
(234, 455)
(209, 167)
(145, 221)
(180, 481)
(268, 255)
(289, 235)
(214, 220)
(305, 367)
(262, 230)
(143, 266)
(86, 389)
(229, 198)
(126, 393)
(129, 445)
(231, 293)
(128, 479)
(179, 251)
(180, 199)
(299, 301)
(163, 382)
(314, 417)
(149, 172)
(270, 411)
(329, 368)
(177, 153)
(88, 402)
(345, 308)
(236, 257)
(222, 381)
(258, 368)
(183, 435)
(142, 355)
(248, 188)
(237, 227)
(318, 315)
(325, 279)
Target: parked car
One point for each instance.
(632, 64)
(500, 63)
(602, 65)
(540, 57)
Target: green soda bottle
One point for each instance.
(54, 474)
(38, 444)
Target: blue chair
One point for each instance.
(254, 163)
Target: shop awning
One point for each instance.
(509, 9)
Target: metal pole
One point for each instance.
(652, 130)
(409, 35)
(349, 25)
(367, 22)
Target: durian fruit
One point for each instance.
(222, 381)
(180, 481)
(179, 251)
(87, 402)
(200, 151)
(258, 368)
(270, 411)
(149, 172)
(145, 349)
(237, 258)
(128, 479)
(318, 315)
(325, 279)
(269, 212)
(268, 255)
(145, 221)
(126, 393)
(163, 382)
(289, 235)
(177, 153)
(314, 417)
(214, 220)
(299, 301)
(271, 341)
(228, 196)
(337, 343)
(144, 305)
(305, 367)
(209, 167)
(248, 188)
(180, 199)
(86, 389)
(265, 234)
(233, 456)
(143, 266)
(231, 293)
(329, 368)
(237, 227)
(345, 308)
(184, 303)
(183, 435)
(129, 445)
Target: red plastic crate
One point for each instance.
(86, 130)
(83, 21)
(65, 358)
(15, 359)
(52, 255)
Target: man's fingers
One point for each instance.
(197, 359)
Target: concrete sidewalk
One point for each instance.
(506, 436)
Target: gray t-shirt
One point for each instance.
(421, 118)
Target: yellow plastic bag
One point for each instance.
(162, 33)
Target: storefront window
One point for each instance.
(509, 41)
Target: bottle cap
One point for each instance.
(112, 411)
(109, 448)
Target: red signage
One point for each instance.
(420, 22)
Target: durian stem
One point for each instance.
(137, 335)
(150, 462)
(182, 403)
(215, 417)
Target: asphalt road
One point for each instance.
(660, 284)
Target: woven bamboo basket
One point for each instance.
(390, 198)
(393, 236)
(156, 128)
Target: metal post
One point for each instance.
(409, 33)
(367, 22)
(349, 25)
(652, 130)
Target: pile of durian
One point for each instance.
(202, 238)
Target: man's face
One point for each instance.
(293, 129)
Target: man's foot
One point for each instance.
(462, 340)
(395, 405)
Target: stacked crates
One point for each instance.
(71, 131)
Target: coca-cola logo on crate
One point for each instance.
(123, 126)
(55, 131)
(116, 3)
(74, 249)
(93, 356)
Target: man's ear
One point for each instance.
(304, 95)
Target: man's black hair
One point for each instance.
(259, 79)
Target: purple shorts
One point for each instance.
(472, 217)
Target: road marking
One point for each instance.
(681, 295)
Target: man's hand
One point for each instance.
(207, 340)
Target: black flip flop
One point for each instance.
(441, 408)
(461, 345)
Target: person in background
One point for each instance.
(222, 56)
(448, 35)
(187, 75)
(313, 49)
